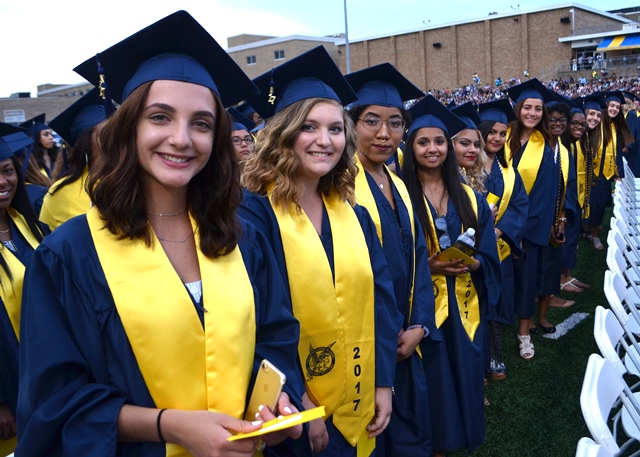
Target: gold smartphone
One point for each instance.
(266, 390)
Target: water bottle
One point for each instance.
(466, 242)
(468, 237)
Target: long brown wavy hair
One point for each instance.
(516, 130)
(620, 125)
(116, 189)
(276, 162)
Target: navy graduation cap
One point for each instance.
(245, 109)
(310, 75)
(240, 121)
(12, 143)
(175, 48)
(35, 125)
(631, 96)
(382, 85)
(497, 111)
(467, 114)
(531, 88)
(84, 114)
(594, 101)
(6, 129)
(429, 112)
(614, 96)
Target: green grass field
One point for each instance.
(535, 411)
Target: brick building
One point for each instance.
(258, 54)
(496, 46)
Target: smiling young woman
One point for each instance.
(545, 172)
(170, 279)
(20, 234)
(301, 181)
(464, 294)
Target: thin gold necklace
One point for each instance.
(167, 214)
(175, 241)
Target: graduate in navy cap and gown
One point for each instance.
(380, 118)
(464, 293)
(39, 162)
(20, 235)
(572, 140)
(302, 181)
(544, 171)
(607, 161)
(243, 140)
(144, 321)
(78, 125)
(505, 192)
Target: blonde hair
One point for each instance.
(275, 161)
(475, 177)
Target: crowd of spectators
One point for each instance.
(570, 87)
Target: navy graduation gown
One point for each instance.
(512, 225)
(8, 340)
(388, 319)
(77, 366)
(633, 156)
(409, 431)
(455, 367)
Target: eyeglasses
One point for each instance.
(555, 120)
(238, 141)
(374, 123)
(579, 124)
(441, 229)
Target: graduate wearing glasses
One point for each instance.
(379, 117)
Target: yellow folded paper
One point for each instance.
(454, 253)
(282, 423)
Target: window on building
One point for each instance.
(251, 60)
(278, 55)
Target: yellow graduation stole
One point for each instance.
(468, 302)
(184, 365)
(364, 197)
(509, 180)
(337, 327)
(530, 160)
(610, 169)
(581, 173)
(70, 201)
(11, 290)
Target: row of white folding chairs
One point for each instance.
(615, 330)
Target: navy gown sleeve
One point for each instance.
(77, 366)
(488, 278)
(515, 217)
(619, 154)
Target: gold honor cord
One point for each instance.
(466, 294)
(337, 326)
(184, 366)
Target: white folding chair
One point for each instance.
(589, 448)
(601, 388)
(609, 335)
(620, 260)
(615, 237)
(615, 293)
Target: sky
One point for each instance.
(43, 41)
